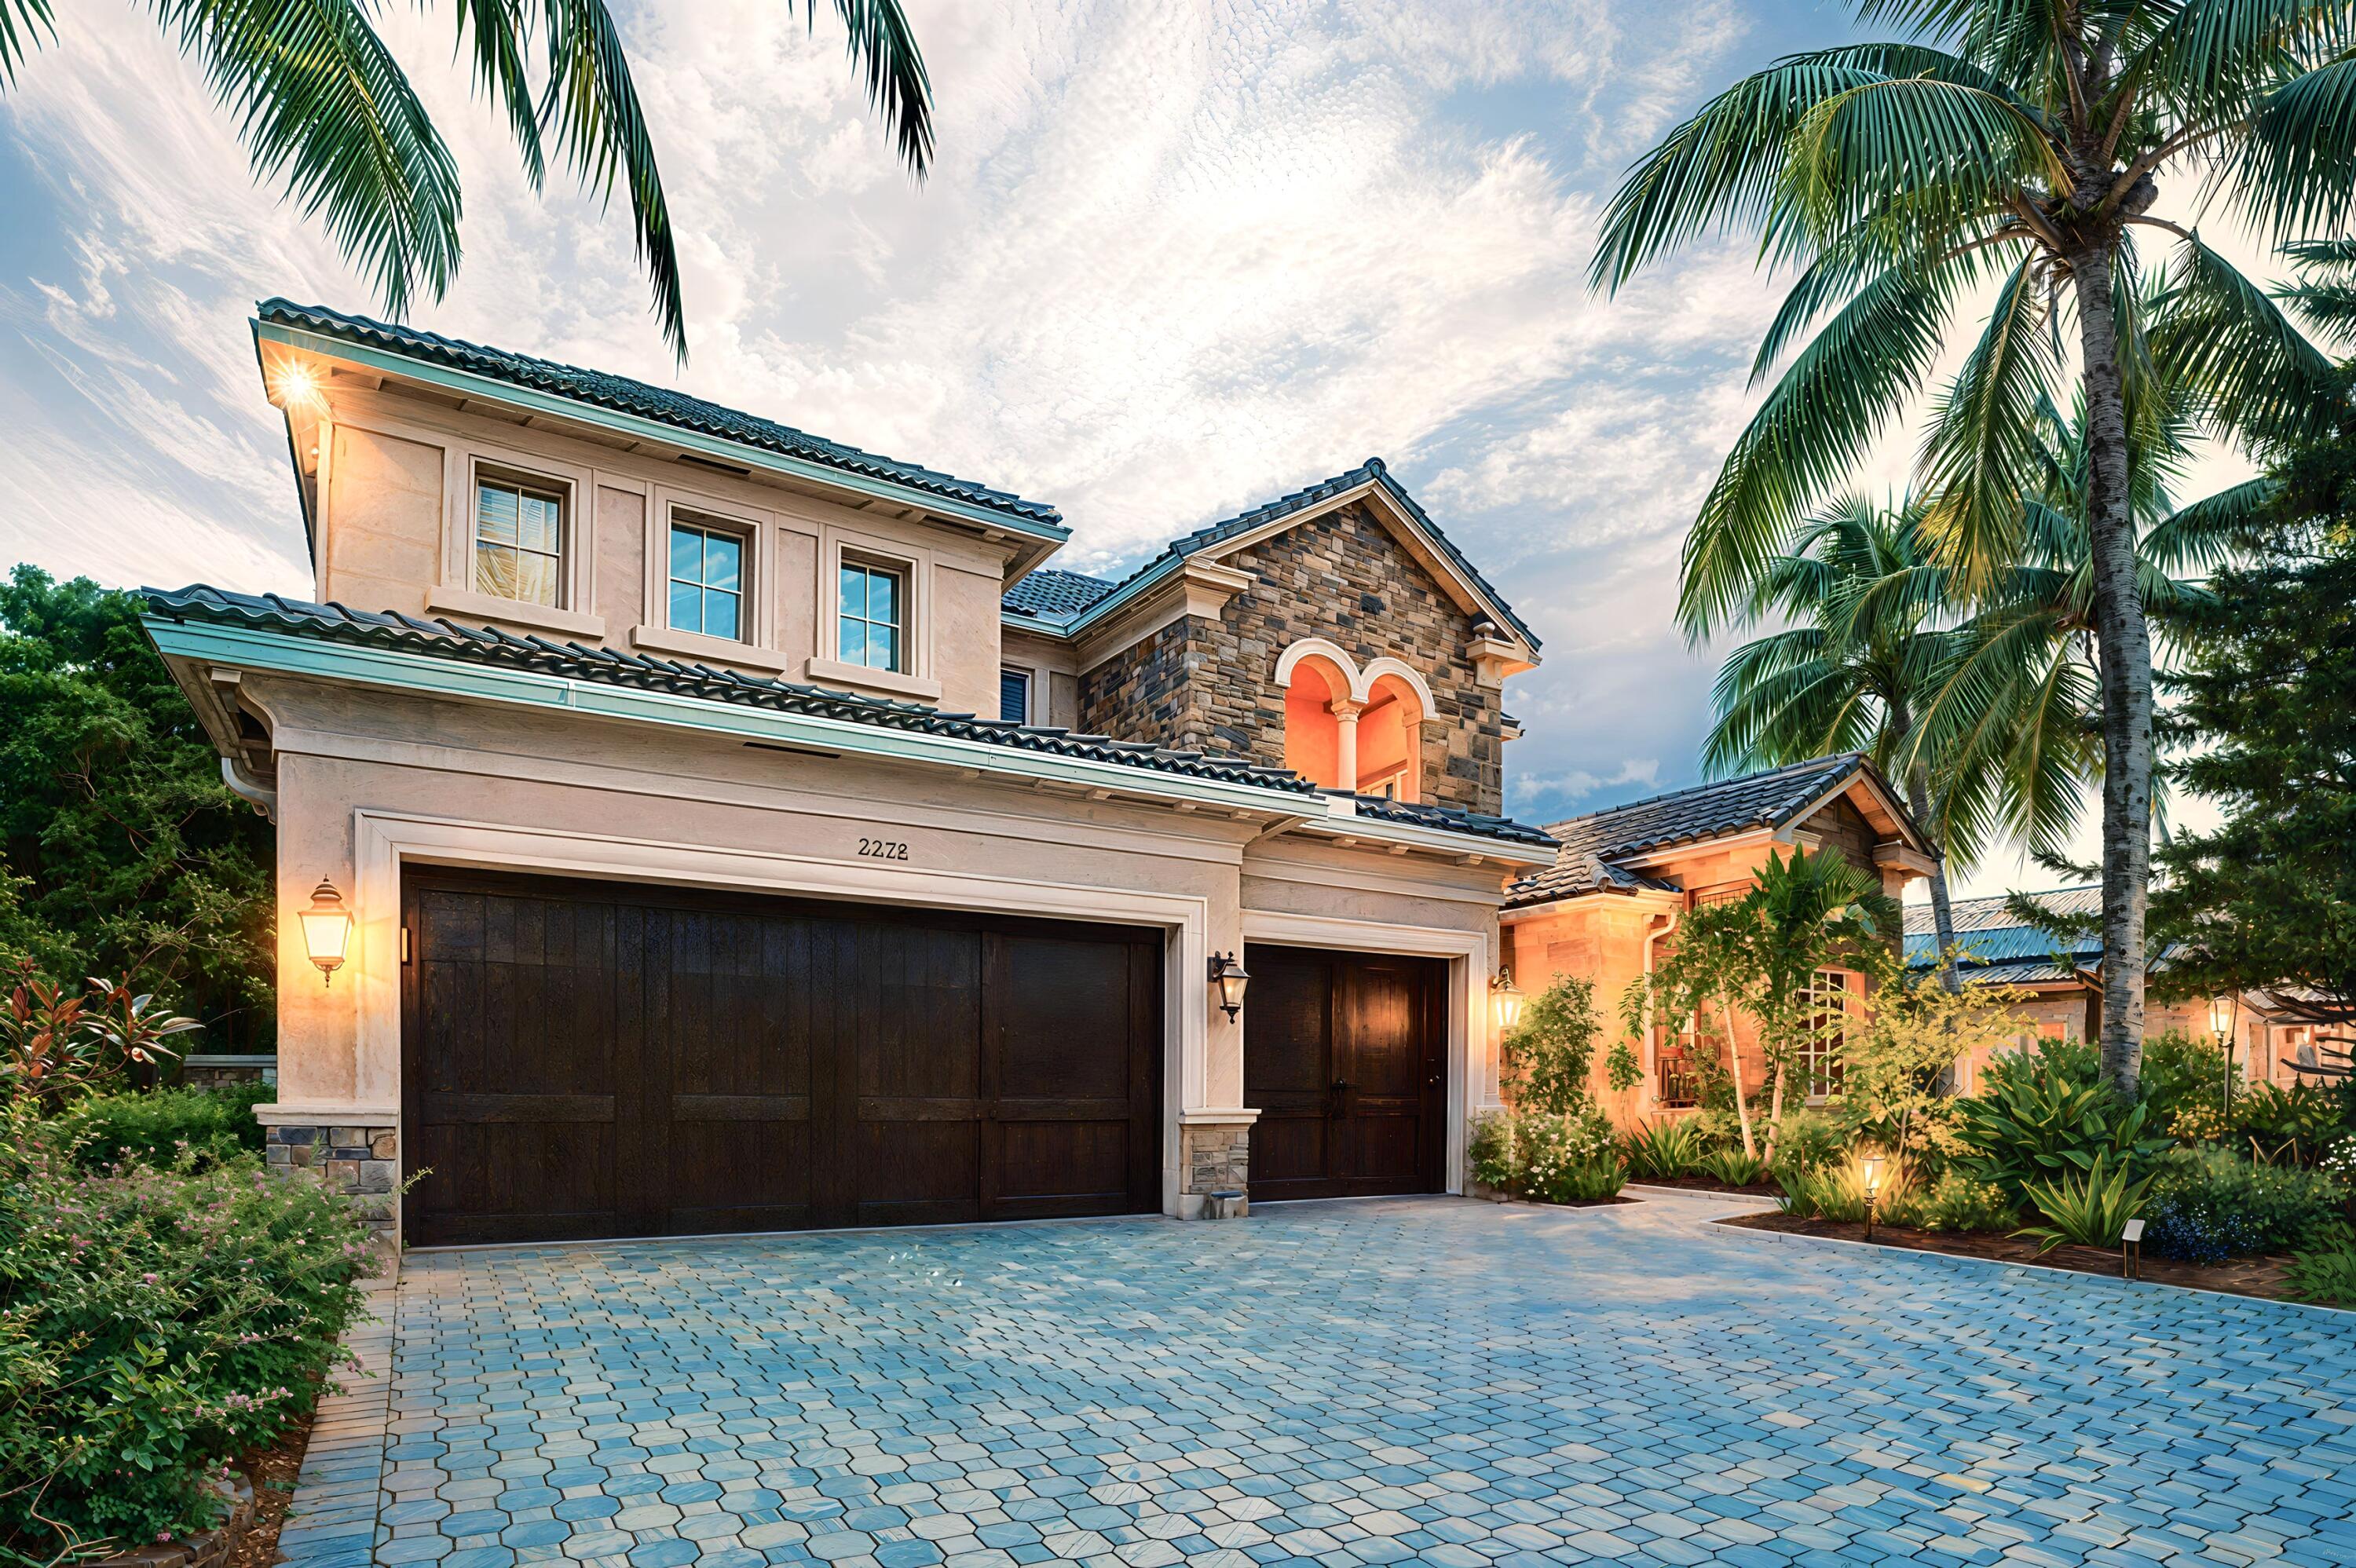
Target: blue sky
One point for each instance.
(1174, 260)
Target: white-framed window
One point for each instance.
(706, 582)
(1015, 696)
(872, 615)
(1820, 1051)
(519, 543)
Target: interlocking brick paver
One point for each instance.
(1435, 1381)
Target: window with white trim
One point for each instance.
(871, 626)
(1820, 1050)
(707, 580)
(519, 541)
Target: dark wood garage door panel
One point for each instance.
(588, 1059)
(1341, 1055)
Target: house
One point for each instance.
(687, 824)
(2060, 986)
(1625, 877)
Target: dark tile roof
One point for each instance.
(1302, 500)
(489, 646)
(1425, 815)
(1590, 844)
(1048, 592)
(619, 393)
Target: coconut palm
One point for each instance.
(2018, 143)
(1873, 631)
(321, 103)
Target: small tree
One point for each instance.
(1894, 1071)
(1813, 911)
(1547, 1056)
(1710, 965)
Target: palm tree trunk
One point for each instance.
(1943, 913)
(2124, 645)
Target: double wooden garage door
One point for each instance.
(590, 1058)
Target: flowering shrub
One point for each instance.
(2209, 1204)
(154, 1324)
(1560, 1159)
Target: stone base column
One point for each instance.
(1215, 1158)
(362, 1163)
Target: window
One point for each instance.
(1015, 696)
(519, 542)
(1820, 1053)
(872, 630)
(707, 580)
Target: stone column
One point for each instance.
(1345, 739)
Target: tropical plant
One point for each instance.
(1547, 1056)
(2022, 146)
(2088, 1210)
(1952, 1202)
(322, 105)
(1658, 1151)
(55, 1046)
(2326, 1274)
(2184, 1078)
(2038, 1124)
(1836, 1191)
(1708, 967)
(1897, 1066)
(2210, 1204)
(2288, 1123)
(1732, 1167)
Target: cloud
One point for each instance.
(1563, 789)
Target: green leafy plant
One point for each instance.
(1732, 1167)
(55, 1046)
(1558, 1159)
(2039, 1124)
(1547, 1056)
(2088, 1210)
(2181, 1073)
(1836, 1191)
(2210, 1203)
(2327, 1277)
(153, 1126)
(1621, 1071)
(2295, 1124)
(1656, 1151)
(154, 1323)
(1808, 1139)
(1952, 1202)
(1489, 1150)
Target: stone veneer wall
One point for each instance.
(1205, 686)
(361, 1163)
(1215, 1159)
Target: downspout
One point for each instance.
(1652, 1042)
(245, 786)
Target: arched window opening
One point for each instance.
(1388, 731)
(1349, 728)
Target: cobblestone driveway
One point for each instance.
(1436, 1380)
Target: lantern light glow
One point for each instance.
(327, 930)
(1231, 977)
(1505, 1000)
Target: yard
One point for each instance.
(1435, 1380)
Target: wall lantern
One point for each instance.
(1505, 998)
(327, 930)
(1231, 978)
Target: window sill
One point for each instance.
(884, 682)
(712, 650)
(470, 605)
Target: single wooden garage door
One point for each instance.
(1343, 1055)
(593, 1059)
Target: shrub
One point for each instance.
(1657, 1150)
(2328, 1276)
(2297, 1124)
(2181, 1073)
(2090, 1211)
(154, 1323)
(1490, 1151)
(1804, 1141)
(1547, 1056)
(2039, 1123)
(1836, 1191)
(1557, 1158)
(215, 1126)
(1732, 1167)
(1953, 1202)
(2210, 1204)
(56, 1045)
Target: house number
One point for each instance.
(883, 849)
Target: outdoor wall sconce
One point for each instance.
(1505, 998)
(1231, 977)
(327, 930)
(1872, 1191)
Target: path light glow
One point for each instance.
(1873, 1163)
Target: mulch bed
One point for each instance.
(271, 1472)
(1711, 1184)
(2263, 1277)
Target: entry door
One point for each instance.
(590, 1058)
(1343, 1055)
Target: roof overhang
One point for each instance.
(1909, 851)
(278, 347)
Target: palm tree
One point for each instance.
(2023, 143)
(321, 103)
(1873, 633)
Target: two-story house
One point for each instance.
(705, 826)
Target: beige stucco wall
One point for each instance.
(395, 518)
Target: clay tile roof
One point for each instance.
(1048, 592)
(619, 393)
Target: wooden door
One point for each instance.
(587, 1059)
(1343, 1055)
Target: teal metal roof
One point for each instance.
(598, 389)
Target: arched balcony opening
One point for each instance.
(1345, 728)
(1389, 735)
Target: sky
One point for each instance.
(1173, 259)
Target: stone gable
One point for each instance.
(1211, 685)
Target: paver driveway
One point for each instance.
(1434, 1379)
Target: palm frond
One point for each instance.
(498, 30)
(1915, 157)
(320, 101)
(23, 23)
(2298, 161)
(1979, 456)
(884, 47)
(2204, 534)
(2223, 338)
